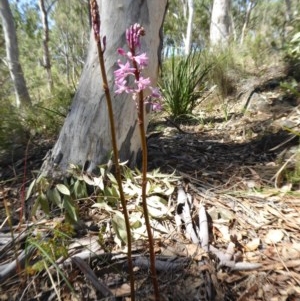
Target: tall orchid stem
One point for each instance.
(114, 143)
(117, 167)
(141, 122)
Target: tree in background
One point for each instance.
(185, 28)
(289, 13)
(250, 6)
(68, 26)
(69, 39)
(84, 138)
(46, 56)
(220, 23)
(12, 52)
(188, 37)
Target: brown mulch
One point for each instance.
(238, 167)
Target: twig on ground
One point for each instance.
(90, 275)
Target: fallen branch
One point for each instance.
(203, 231)
(90, 275)
(10, 269)
(161, 265)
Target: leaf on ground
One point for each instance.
(194, 251)
(291, 251)
(30, 188)
(119, 226)
(223, 232)
(103, 205)
(130, 189)
(63, 189)
(157, 207)
(158, 228)
(274, 236)
(253, 244)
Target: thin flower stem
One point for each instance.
(117, 166)
(141, 122)
(114, 146)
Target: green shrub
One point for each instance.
(223, 73)
(12, 134)
(294, 46)
(183, 82)
(47, 116)
(292, 56)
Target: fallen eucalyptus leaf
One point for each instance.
(157, 207)
(253, 244)
(274, 236)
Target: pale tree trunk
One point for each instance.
(184, 8)
(85, 137)
(12, 53)
(189, 29)
(46, 55)
(220, 23)
(250, 6)
(233, 29)
(289, 13)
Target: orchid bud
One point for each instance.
(95, 19)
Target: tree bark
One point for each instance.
(289, 13)
(12, 53)
(84, 139)
(189, 29)
(46, 55)
(220, 23)
(250, 6)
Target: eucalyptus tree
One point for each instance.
(189, 29)
(186, 25)
(69, 39)
(46, 55)
(272, 21)
(12, 53)
(30, 40)
(250, 6)
(220, 22)
(84, 138)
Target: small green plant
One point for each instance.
(290, 169)
(295, 174)
(54, 247)
(49, 250)
(291, 87)
(225, 109)
(289, 172)
(64, 195)
(46, 117)
(293, 47)
(225, 71)
(12, 132)
(258, 50)
(292, 55)
(183, 82)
